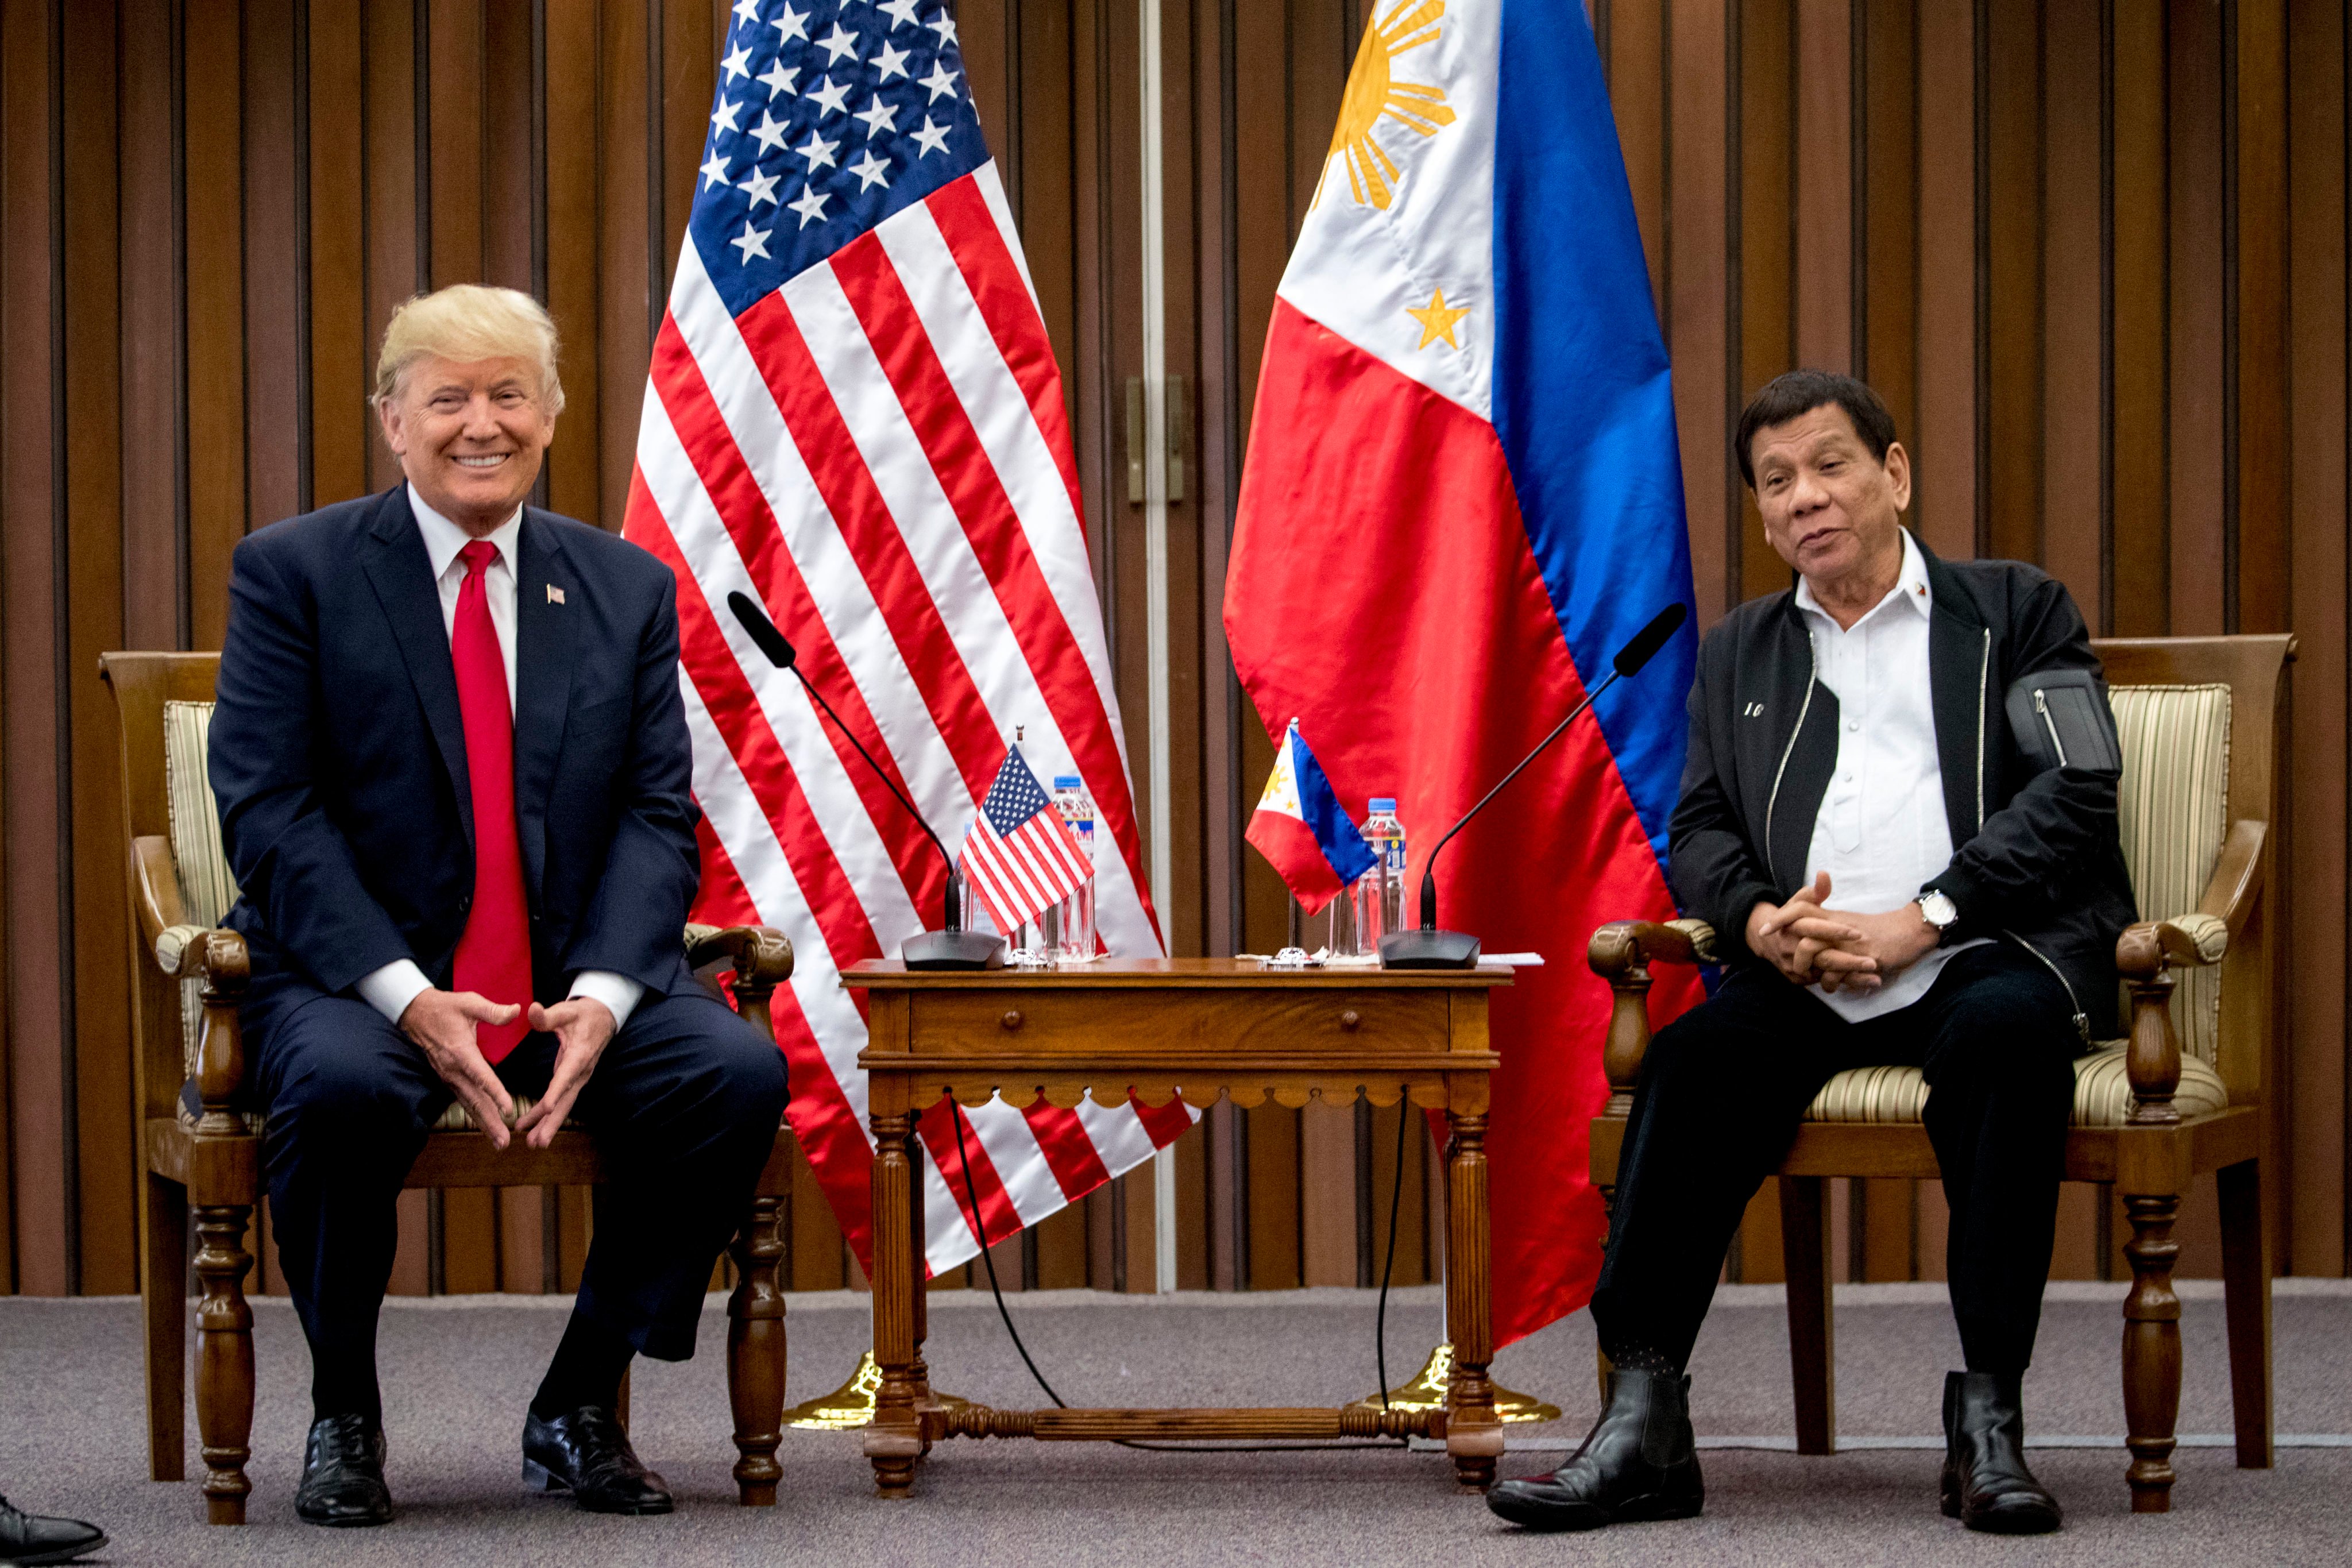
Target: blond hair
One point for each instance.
(467, 322)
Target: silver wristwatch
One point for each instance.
(1937, 910)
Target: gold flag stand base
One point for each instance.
(1426, 1391)
(851, 1405)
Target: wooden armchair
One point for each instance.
(2200, 720)
(189, 976)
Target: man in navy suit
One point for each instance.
(453, 771)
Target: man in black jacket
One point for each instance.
(1897, 874)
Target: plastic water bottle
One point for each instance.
(1075, 921)
(1379, 892)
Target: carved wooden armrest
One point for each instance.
(2148, 951)
(761, 957)
(218, 958)
(1621, 952)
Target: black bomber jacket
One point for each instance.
(2038, 862)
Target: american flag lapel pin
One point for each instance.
(554, 595)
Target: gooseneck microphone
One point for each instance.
(949, 947)
(1430, 948)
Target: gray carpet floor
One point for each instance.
(457, 1372)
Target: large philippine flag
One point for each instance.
(1463, 495)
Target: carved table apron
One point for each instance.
(1159, 1028)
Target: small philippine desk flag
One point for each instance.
(1300, 826)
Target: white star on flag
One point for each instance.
(779, 82)
(890, 61)
(932, 138)
(762, 188)
(751, 242)
(871, 171)
(942, 82)
(746, 10)
(819, 153)
(790, 26)
(944, 26)
(901, 12)
(879, 117)
(723, 117)
(714, 173)
(840, 44)
(810, 205)
(769, 133)
(833, 97)
(738, 63)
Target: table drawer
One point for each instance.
(1206, 1023)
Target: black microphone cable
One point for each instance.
(963, 1158)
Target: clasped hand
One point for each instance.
(1812, 944)
(442, 1023)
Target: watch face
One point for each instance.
(1937, 910)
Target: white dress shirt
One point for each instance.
(1880, 833)
(390, 990)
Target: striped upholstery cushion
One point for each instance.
(2102, 1094)
(2175, 808)
(206, 889)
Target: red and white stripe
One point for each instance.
(877, 452)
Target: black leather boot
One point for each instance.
(30, 1538)
(342, 1473)
(588, 1455)
(1986, 1484)
(1638, 1462)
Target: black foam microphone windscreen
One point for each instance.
(772, 642)
(1651, 638)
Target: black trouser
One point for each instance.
(684, 1105)
(1722, 1090)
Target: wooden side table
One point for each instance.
(1158, 1028)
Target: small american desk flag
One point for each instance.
(853, 418)
(1021, 857)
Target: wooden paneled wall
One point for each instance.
(2093, 251)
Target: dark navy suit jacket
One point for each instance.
(338, 755)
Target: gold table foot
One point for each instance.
(850, 1408)
(1426, 1391)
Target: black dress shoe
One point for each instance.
(1638, 1462)
(30, 1538)
(1986, 1484)
(342, 1473)
(588, 1455)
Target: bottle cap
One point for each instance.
(1382, 802)
(1066, 781)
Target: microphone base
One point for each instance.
(935, 950)
(1429, 950)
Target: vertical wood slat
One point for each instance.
(1766, 196)
(2139, 333)
(341, 352)
(2071, 436)
(211, 141)
(105, 1146)
(2193, 140)
(1945, 444)
(2012, 374)
(154, 543)
(1698, 304)
(2319, 435)
(30, 711)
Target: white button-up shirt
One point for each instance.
(390, 990)
(1880, 833)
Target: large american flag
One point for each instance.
(854, 415)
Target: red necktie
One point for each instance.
(494, 953)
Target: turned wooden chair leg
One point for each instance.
(1813, 1366)
(755, 1353)
(163, 1290)
(225, 1359)
(2246, 1289)
(2151, 1350)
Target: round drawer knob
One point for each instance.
(1350, 1018)
(1012, 1020)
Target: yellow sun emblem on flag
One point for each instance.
(1374, 94)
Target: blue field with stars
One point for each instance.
(829, 117)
